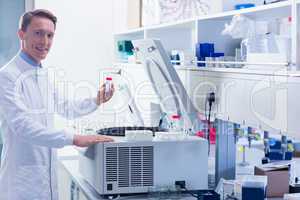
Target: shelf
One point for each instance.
(184, 24)
(268, 72)
(131, 31)
(259, 12)
(280, 9)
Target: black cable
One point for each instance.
(205, 114)
(206, 121)
(190, 193)
(209, 99)
(209, 112)
(199, 194)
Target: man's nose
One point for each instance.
(45, 40)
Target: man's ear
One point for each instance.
(21, 34)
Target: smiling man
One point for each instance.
(28, 165)
(36, 34)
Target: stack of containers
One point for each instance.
(206, 52)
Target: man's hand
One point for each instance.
(87, 140)
(101, 97)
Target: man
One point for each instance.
(28, 165)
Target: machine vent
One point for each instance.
(130, 166)
(123, 168)
(111, 164)
(148, 166)
(136, 166)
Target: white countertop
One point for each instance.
(71, 166)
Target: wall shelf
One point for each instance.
(259, 12)
(266, 72)
(131, 31)
(207, 28)
(184, 24)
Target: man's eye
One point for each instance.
(37, 33)
(50, 35)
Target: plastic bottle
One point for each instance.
(175, 123)
(285, 26)
(108, 85)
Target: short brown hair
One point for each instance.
(27, 17)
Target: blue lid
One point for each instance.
(244, 5)
(218, 55)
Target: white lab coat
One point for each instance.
(27, 102)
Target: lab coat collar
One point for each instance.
(29, 59)
(23, 65)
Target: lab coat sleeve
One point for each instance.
(72, 109)
(20, 121)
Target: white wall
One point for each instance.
(119, 15)
(83, 41)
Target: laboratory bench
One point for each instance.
(81, 190)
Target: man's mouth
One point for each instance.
(41, 49)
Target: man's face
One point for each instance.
(37, 39)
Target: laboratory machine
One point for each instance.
(128, 166)
(123, 167)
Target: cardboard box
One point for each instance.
(134, 14)
(278, 178)
(297, 154)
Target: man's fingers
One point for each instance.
(104, 139)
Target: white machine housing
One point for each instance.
(122, 166)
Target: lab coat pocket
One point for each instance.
(32, 183)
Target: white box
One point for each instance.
(295, 196)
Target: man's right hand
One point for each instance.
(87, 140)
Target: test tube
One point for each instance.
(108, 85)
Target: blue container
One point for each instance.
(277, 145)
(288, 155)
(275, 155)
(250, 193)
(244, 5)
(254, 187)
(175, 58)
(200, 64)
(204, 50)
(125, 46)
(279, 155)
